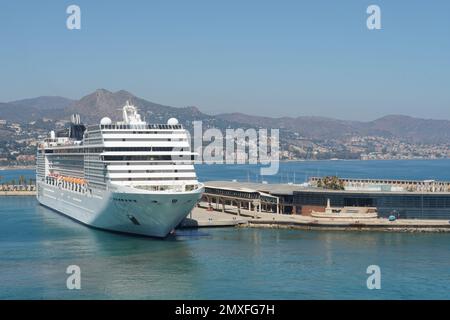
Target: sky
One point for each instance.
(272, 58)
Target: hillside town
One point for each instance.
(364, 148)
(18, 143)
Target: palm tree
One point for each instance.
(331, 182)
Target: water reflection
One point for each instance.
(116, 265)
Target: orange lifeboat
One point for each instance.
(72, 180)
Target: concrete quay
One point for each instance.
(202, 217)
(377, 224)
(232, 216)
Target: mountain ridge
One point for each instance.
(44, 102)
(102, 102)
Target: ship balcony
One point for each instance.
(170, 188)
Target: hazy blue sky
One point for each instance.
(277, 58)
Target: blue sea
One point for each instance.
(37, 245)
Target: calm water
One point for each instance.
(36, 246)
(300, 171)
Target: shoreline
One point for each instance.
(32, 167)
(361, 227)
(202, 218)
(13, 168)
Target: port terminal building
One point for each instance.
(400, 198)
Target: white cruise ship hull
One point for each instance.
(124, 209)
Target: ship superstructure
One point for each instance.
(128, 176)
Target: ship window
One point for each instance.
(174, 200)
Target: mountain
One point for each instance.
(410, 129)
(19, 113)
(308, 127)
(44, 103)
(102, 102)
(27, 110)
(413, 129)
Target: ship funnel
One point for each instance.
(75, 119)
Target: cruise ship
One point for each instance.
(128, 176)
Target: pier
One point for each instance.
(429, 203)
(202, 217)
(308, 207)
(244, 204)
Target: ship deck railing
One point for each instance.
(135, 126)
